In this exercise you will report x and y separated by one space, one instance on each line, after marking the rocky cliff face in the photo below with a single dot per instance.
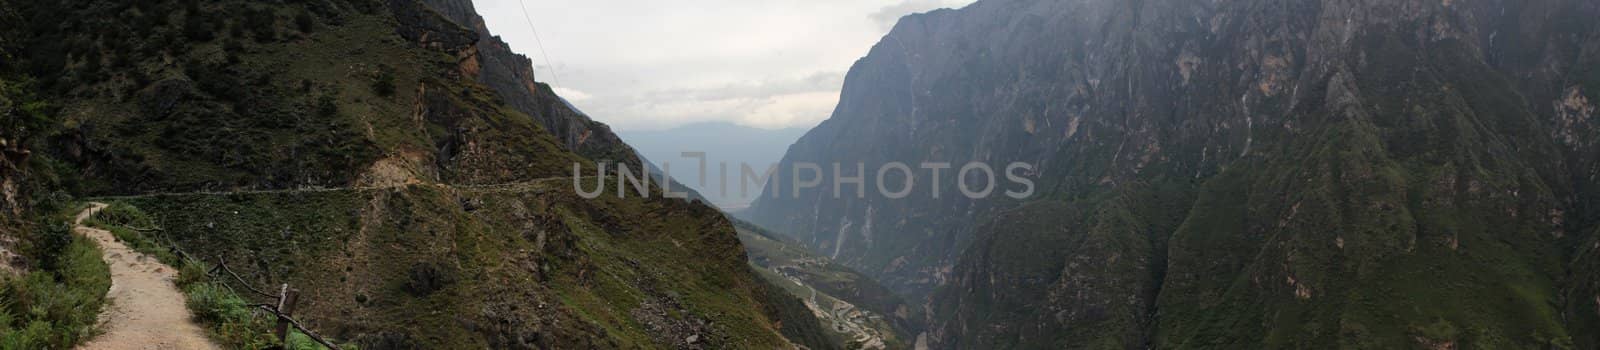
10 114
14 151
13 156
511 76
12 159
1229 174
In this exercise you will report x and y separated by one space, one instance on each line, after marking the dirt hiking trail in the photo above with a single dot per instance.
144 309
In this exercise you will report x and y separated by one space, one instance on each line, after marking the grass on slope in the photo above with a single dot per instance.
463 268
281 105
198 99
56 305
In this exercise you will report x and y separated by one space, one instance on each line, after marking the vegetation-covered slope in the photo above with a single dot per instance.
259 96
420 202
526 266
52 284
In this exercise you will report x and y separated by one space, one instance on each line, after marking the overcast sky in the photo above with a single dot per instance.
651 64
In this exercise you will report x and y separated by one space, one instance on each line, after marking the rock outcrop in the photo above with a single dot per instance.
511 76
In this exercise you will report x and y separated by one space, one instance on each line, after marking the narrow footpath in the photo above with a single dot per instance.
144 309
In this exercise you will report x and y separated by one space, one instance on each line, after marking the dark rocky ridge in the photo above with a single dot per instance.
511 76
1280 174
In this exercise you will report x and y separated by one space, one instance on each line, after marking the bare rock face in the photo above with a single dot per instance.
1226 174
12 158
511 76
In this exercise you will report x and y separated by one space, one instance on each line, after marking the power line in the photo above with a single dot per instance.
556 78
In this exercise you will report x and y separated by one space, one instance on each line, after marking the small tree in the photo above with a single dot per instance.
197 27
263 24
327 106
384 85
305 22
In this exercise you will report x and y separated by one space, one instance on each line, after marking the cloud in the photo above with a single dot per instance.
792 109
772 103
814 82
887 16
647 64
572 95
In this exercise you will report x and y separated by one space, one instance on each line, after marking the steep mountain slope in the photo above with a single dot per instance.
526 266
14 152
21 120
1279 174
407 174
511 76
257 96
52 283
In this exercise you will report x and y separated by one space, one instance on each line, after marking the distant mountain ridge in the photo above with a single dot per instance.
721 142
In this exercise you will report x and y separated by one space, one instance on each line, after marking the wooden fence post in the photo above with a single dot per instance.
286 300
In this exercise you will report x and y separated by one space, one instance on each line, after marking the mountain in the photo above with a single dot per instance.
391 160
511 76
1234 174
722 143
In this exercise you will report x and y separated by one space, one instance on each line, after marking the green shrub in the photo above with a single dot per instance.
263 24
384 85
215 304
304 22
35 336
122 214
299 341
55 309
192 271
130 225
327 106
198 27
232 322
47 244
